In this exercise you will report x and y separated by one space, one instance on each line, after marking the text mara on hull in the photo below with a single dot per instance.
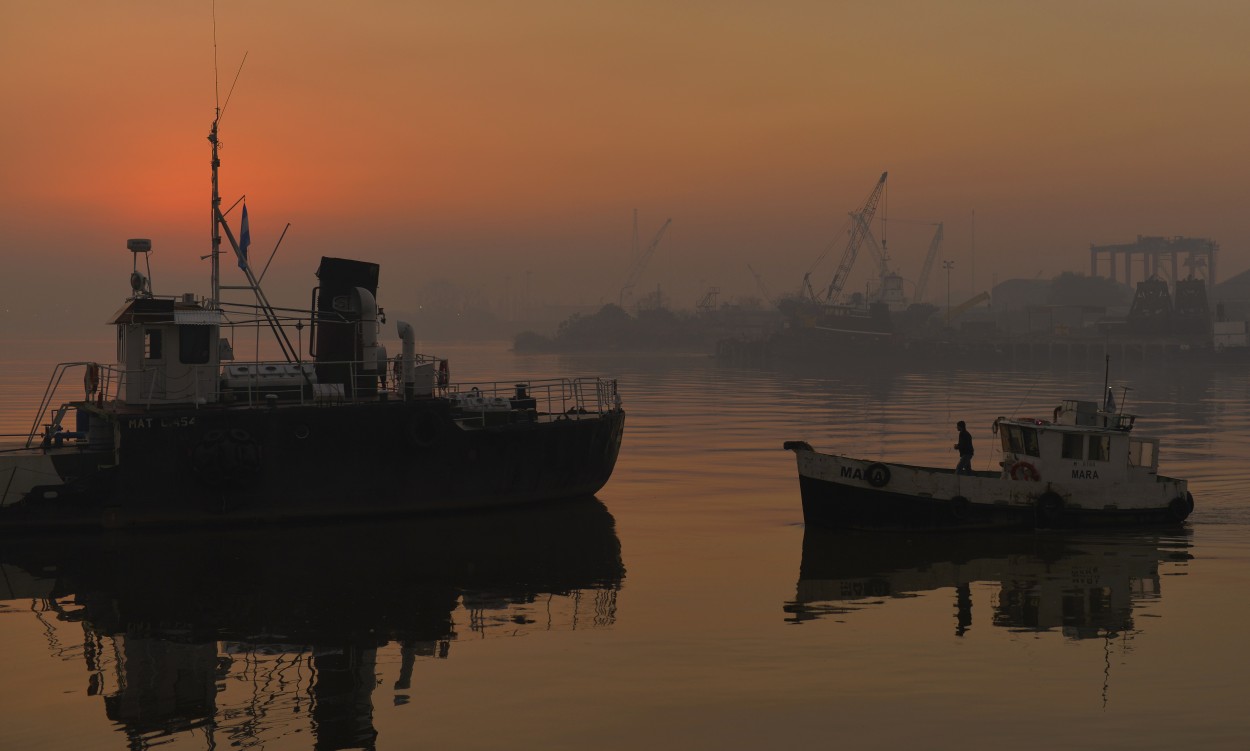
178 431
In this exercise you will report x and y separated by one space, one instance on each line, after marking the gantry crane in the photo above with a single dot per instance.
859 228
641 263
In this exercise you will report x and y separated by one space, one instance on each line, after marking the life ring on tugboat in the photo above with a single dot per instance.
91 378
877 475
444 374
1022 470
1049 509
1181 507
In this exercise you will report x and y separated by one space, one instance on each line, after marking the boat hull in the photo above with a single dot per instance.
845 493
188 466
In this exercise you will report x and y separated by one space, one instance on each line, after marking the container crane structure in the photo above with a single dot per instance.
859 230
934 245
763 288
641 263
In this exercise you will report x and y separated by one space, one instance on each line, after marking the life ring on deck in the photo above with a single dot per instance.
877 475
1024 471
444 374
1181 507
1049 509
91 378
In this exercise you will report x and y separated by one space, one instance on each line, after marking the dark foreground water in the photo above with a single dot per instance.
686 608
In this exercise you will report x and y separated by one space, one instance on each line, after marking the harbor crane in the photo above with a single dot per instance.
934 244
859 229
641 263
763 288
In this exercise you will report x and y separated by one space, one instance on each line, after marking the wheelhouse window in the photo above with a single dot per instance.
1099 448
1030 442
1013 440
151 344
1142 453
1073 446
193 343
1020 440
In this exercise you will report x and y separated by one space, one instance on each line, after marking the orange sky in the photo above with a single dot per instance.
474 141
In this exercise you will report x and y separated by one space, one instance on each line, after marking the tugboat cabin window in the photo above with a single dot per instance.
193 344
1073 446
1142 453
151 344
1030 442
1099 448
1020 440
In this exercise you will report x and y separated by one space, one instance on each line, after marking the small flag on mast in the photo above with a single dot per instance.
245 239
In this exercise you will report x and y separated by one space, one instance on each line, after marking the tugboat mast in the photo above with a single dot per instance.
215 294
253 284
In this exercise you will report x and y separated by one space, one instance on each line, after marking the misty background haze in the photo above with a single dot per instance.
490 156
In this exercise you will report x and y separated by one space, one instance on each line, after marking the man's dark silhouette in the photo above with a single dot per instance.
964 447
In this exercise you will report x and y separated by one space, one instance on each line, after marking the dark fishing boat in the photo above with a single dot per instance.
177 431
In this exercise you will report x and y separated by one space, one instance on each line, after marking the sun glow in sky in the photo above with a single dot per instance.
478 141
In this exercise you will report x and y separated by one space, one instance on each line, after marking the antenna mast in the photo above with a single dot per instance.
215 294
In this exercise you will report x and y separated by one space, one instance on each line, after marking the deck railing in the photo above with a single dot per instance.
252 384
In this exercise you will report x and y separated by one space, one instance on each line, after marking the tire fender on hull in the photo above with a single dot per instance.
226 458
1048 510
1181 507
877 475
424 428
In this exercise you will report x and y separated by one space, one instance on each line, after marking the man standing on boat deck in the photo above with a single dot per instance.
964 447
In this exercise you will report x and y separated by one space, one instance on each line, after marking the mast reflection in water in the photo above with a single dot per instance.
245 636
1084 586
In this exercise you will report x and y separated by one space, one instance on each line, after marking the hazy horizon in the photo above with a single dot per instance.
504 150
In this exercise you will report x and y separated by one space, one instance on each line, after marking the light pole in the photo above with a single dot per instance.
948 265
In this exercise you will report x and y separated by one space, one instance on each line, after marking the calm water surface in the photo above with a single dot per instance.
687 608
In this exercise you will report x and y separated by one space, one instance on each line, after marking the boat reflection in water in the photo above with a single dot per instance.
252 635
1084 586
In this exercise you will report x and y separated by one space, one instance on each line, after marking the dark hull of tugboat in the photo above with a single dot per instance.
833 505
180 467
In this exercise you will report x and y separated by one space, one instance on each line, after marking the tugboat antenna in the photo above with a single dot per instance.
1106 381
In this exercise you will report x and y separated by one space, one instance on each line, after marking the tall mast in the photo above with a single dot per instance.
215 295
253 284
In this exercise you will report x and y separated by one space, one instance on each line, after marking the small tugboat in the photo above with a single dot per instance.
1082 468
178 432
